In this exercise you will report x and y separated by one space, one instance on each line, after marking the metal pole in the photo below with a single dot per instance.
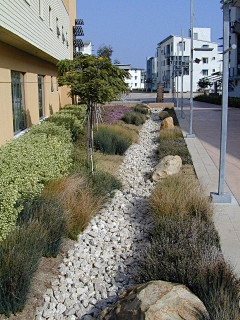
182 115
222 197
177 73
191 135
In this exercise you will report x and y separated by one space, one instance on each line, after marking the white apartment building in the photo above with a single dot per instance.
137 80
234 55
151 73
172 55
87 48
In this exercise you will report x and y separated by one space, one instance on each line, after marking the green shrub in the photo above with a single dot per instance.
172 113
133 117
233 102
72 118
51 130
111 140
27 163
104 183
142 108
163 115
174 147
20 254
49 214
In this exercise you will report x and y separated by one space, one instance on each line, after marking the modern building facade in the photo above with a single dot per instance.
137 79
234 55
173 56
34 36
151 73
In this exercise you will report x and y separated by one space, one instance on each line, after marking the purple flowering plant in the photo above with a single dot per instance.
111 114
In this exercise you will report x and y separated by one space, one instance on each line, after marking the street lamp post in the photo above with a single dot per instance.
191 135
221 196
182 70
177 64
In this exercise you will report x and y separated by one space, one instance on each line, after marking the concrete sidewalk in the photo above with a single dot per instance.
226 216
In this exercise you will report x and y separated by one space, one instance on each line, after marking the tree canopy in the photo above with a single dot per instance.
94 79
105 51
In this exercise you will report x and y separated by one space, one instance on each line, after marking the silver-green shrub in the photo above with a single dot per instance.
27 163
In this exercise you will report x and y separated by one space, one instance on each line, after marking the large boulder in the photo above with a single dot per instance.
157 300
168 166
167 123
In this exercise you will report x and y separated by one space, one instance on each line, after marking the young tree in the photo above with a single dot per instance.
203 83
95 81
105 51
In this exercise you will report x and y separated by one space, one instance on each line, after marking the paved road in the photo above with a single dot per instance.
207 127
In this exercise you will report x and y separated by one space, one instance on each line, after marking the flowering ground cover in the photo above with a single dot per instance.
111 114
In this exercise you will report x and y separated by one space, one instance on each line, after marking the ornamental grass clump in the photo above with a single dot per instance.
20 254
49 214
180 195
175 147
104 184
184 247
133 117
141 108
170 134
78 201
112 139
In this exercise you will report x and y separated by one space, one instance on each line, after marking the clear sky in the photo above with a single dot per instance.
134 27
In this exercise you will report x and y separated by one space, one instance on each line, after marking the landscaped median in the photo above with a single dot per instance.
184 244
47 194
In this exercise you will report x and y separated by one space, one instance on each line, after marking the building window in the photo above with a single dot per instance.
63 37
41 96
135 77
213 58
195 36
18 104
206 46
205 60
41 9
135 85
52 87
50 17
213 70
205 72
57 28
181 46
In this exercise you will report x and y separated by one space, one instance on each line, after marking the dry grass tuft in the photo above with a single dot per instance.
174 133
180 195
78 201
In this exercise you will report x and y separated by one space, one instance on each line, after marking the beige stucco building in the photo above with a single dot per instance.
34 36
